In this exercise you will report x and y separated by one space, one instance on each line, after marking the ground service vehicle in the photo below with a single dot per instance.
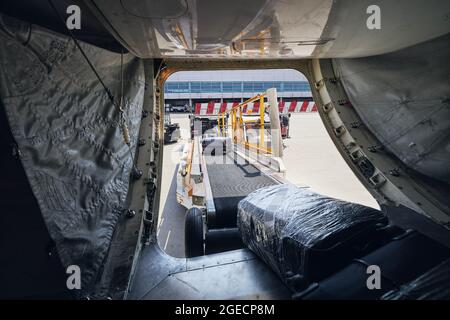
171 130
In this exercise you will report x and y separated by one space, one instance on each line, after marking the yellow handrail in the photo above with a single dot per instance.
237 125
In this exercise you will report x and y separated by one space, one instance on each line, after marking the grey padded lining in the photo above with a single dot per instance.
72 150
404 99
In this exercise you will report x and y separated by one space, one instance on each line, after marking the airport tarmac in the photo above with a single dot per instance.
310 158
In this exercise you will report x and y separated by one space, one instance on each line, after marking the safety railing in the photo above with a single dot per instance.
234 119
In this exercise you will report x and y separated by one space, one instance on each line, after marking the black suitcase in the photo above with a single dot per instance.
304 236
400 261
432 285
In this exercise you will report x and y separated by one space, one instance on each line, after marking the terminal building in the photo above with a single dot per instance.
215 88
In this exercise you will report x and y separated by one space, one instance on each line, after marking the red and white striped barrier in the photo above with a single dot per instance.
212 108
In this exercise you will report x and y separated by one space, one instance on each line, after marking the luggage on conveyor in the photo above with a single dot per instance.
432 285
304 236
400 261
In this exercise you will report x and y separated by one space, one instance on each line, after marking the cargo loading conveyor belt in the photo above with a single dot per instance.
231 179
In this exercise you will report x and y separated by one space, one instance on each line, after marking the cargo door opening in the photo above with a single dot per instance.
310 158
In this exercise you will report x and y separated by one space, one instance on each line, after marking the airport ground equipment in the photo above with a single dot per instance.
171 130
237 154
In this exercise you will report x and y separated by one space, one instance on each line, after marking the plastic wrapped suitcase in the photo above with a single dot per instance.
432 285
304 236
402 260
